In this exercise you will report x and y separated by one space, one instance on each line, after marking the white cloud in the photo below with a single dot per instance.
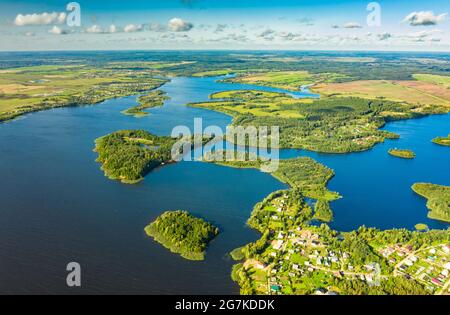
268 34
94 29
424 34
384 36
220 28
352 25
131 28
179 25
40 19
424 18
55 30
157 27
112 29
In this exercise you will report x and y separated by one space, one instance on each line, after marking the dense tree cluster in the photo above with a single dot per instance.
330 125
183 233
322 211
129 155
438 200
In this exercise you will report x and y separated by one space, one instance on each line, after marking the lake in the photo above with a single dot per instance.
57 206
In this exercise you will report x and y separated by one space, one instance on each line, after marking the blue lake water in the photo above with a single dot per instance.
57 206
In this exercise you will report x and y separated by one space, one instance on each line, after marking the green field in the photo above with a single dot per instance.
288 80
435 79
409 92
30 89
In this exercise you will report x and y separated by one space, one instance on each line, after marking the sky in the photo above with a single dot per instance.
386 25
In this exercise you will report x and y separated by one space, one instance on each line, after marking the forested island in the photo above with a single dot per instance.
151 100
182 233
445 141
404 154
438 200
129 155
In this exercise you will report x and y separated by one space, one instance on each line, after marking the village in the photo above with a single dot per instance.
299 260
429 266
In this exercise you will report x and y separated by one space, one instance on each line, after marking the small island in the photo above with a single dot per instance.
129 155
151 100
442 141
404 154
183 234
438 200
421 227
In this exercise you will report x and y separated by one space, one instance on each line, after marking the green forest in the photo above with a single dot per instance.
129 155
328 125
323 212
183 234
438 200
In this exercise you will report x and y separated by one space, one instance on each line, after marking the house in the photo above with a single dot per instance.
409 263
446 249
436 281
278 244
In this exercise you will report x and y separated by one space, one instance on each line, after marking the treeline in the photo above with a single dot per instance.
307 175
328 125
129 155
438 200
323 212
183 233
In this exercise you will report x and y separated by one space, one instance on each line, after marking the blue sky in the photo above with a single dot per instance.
213 24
